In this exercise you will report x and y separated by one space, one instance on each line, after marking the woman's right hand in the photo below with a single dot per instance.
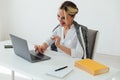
39 49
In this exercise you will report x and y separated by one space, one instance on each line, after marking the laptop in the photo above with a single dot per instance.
21 49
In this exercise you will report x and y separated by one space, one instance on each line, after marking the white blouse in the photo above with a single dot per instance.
71 41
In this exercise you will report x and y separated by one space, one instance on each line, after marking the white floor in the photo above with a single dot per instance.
5 74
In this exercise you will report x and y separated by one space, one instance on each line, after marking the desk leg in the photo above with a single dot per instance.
12 75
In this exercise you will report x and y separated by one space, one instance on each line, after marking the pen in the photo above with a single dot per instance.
61 68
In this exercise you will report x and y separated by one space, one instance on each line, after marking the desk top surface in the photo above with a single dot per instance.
38 70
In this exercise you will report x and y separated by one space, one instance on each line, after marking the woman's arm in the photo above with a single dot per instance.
62 47
65 49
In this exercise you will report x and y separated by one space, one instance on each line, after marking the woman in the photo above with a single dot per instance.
64 35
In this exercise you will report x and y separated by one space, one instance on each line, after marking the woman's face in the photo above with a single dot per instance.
61 17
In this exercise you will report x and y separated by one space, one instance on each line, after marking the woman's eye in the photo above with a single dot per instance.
58 16
63 18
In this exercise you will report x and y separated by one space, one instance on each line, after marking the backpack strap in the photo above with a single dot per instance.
55 27
78 36
85 36
84 30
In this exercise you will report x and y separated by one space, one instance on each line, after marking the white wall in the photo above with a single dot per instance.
31 19
0 19
103 15
4 19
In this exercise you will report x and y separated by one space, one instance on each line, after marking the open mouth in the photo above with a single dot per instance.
62 23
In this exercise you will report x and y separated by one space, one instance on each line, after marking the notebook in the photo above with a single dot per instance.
59 74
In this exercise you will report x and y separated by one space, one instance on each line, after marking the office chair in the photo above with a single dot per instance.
92 35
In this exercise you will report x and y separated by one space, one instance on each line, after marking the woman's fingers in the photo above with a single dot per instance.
57 40
36 47
55 37
40 49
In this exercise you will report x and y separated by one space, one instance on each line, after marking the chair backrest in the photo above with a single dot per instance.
92 35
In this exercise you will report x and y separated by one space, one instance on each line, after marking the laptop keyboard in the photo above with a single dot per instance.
39 55
34 57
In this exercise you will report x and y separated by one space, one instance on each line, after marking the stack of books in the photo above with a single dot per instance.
91 66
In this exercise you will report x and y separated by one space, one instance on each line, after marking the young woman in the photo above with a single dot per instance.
64 35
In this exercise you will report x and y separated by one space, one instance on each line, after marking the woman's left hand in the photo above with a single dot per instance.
57 39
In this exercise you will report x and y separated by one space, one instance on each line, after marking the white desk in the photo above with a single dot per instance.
37 70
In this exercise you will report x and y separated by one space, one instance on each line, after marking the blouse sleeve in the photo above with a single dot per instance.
49 41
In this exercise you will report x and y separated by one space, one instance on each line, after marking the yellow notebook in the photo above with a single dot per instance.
91 66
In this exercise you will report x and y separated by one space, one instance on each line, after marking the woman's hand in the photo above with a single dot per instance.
57 40
41 48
